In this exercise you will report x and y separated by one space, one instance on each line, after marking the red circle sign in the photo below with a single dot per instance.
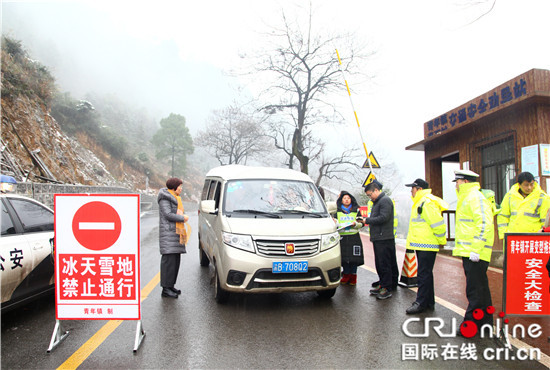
96 225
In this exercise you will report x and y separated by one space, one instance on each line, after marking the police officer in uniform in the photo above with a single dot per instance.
474 238
427 232
524 207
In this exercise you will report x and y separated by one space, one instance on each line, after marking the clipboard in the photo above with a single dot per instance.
342 227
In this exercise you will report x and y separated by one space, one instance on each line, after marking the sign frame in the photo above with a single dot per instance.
123 257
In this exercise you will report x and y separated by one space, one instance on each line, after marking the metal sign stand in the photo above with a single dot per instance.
140 334
57 337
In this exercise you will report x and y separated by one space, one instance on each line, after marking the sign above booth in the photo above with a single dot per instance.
513 91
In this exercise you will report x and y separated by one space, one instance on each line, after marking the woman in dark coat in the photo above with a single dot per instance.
350 243
172 235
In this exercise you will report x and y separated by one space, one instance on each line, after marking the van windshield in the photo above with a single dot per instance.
273 197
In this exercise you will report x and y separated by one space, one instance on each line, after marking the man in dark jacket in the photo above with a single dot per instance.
383 240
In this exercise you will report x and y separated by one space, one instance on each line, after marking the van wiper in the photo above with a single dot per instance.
300 212
256 212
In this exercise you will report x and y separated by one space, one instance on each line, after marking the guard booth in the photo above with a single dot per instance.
498 135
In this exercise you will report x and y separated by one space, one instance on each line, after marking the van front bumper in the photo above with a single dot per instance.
247 272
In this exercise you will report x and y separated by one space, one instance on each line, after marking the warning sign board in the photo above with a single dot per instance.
97 256
373 162
526 280
370 178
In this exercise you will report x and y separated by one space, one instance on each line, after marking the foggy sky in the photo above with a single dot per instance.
169 56
85 53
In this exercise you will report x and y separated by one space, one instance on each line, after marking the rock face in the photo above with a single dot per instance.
35 149
28 128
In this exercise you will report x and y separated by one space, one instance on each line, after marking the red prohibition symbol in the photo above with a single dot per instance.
96 226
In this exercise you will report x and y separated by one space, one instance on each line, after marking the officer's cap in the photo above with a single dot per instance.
466 175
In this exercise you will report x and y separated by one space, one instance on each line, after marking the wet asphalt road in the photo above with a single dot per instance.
351 330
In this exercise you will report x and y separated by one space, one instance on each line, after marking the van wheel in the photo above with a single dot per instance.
221 296
326 294
203 257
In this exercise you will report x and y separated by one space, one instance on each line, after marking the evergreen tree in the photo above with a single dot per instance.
173 141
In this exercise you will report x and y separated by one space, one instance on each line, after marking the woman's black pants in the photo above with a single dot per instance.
169 267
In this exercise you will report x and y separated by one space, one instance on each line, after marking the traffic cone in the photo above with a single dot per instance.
409 271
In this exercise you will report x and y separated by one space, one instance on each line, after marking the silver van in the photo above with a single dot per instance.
267 230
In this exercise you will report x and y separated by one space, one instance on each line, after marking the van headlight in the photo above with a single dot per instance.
243 242
329 240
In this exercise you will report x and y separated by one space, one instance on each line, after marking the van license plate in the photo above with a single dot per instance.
298 266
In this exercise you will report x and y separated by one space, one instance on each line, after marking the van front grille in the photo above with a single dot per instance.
277 248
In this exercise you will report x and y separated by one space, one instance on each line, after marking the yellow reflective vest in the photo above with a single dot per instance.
522 215
348 218
474 231
427 229
490 195
395 219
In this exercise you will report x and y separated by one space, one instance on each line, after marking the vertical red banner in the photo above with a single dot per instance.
526 281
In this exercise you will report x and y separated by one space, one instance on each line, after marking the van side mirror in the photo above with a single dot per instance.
209 206
331 207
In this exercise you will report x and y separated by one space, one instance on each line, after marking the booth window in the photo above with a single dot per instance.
498 167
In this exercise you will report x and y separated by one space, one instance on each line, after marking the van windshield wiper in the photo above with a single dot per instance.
300 212
256 212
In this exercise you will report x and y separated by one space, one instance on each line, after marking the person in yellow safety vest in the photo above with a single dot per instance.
351 247
427 232
395 223
474 238
524 207
490 195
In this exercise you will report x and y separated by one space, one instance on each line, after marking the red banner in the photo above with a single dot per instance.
526 281
93 276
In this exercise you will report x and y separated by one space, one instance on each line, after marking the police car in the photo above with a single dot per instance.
26 250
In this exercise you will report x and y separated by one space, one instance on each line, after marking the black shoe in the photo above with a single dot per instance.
383 294
431 307
375 284
375 290
177 291
167 292
415 308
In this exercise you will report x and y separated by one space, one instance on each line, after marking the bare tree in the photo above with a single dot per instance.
282 135
344 167
232 135
303 70
477 4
